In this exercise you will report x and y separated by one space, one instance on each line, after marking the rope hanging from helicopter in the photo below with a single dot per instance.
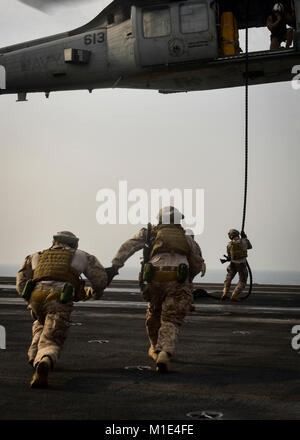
246 142
246 149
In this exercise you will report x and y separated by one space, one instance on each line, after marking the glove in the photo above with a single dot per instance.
111 272
91 293
203 269
243 235
225 260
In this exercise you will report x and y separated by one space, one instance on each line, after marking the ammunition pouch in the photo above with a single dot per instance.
67 294
148 272
182 273
28 289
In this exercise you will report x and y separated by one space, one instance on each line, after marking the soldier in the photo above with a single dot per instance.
50 281
236 254
277 25
174 260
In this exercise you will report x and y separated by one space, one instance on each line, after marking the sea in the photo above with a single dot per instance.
212 275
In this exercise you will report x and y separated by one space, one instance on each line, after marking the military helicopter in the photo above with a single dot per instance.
166 45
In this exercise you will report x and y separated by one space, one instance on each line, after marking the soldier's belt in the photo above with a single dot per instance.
43 296
166 268
164 276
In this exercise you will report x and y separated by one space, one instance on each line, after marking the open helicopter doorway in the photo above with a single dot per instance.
262 15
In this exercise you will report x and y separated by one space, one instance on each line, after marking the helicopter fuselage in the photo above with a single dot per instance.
171 47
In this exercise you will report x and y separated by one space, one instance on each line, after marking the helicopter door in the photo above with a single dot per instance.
175 32
2 78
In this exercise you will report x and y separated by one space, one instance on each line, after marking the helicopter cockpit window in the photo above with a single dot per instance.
193 18
157 22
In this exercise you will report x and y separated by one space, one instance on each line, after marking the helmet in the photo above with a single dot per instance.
169 214
278 7
233 233
66 237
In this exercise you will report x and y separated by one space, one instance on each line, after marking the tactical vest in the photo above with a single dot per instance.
55 265
169 238
237 251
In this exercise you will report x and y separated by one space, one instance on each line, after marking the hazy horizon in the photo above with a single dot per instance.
58 153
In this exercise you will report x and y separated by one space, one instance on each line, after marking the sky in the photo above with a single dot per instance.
56 155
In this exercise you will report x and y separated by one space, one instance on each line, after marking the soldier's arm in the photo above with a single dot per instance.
228 251
96 274
196 260
128 248
199 250
272 25
24 274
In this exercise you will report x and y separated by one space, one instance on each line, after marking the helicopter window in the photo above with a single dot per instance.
157 22
193 18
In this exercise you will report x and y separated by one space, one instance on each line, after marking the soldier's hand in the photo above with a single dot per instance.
111 272
243 235
227 258
203 269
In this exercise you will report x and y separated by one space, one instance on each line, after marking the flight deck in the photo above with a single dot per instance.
234 361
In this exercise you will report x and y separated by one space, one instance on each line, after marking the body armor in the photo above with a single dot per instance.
169 238
237 250
55 265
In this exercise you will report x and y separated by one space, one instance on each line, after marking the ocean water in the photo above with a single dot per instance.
212 275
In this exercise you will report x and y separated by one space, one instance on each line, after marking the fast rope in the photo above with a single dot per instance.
243 298
246 142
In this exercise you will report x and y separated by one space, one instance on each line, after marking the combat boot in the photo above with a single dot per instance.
163 362
234 297
152 353
40 377
225 292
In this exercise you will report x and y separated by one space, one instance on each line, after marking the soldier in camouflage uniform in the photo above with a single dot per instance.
236 254
168 299
49 274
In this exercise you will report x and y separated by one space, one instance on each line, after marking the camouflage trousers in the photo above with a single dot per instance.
168 304
232 270
50 326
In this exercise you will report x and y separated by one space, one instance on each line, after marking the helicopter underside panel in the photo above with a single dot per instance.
264 67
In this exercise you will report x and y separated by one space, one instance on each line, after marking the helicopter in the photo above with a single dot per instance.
170 46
